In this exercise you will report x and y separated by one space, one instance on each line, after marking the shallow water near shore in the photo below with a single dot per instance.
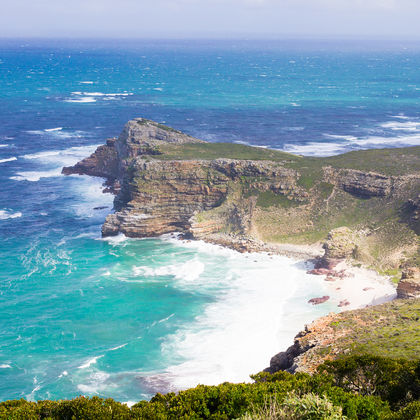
126 318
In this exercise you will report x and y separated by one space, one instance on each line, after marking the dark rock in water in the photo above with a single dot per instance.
367 288
344 302
100 208
318 300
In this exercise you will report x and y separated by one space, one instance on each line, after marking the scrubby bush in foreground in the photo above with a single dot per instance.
354 388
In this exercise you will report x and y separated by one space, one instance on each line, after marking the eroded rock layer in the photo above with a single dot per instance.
244 197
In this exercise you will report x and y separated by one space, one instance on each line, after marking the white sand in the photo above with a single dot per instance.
361 287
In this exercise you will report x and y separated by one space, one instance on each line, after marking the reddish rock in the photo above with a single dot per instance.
344 302
318 300
367 288
319 271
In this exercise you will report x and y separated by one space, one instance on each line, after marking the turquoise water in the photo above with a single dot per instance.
127 318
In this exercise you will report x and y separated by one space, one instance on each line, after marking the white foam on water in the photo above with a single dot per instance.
402 126
258 303
5 366
53 161
87 82
243 328
346 143
186 272
9 214
90 362
85 99
115 240
58 132
96 382
11 159
53 129
401 117
34 176
118 347
316 148
4 145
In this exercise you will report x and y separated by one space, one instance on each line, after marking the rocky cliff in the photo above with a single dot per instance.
388 330
246 197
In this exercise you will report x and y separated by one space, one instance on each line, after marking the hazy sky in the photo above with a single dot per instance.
210 18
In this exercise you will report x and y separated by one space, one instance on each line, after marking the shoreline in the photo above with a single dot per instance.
357 286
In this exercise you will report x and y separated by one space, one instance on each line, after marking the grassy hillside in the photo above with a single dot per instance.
388 330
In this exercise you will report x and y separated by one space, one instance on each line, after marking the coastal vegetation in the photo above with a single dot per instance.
367 387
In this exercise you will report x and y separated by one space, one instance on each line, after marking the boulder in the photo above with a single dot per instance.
409 285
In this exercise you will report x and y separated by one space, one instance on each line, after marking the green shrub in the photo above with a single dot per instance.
396 381
307 407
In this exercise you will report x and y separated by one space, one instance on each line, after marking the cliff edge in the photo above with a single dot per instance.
252 199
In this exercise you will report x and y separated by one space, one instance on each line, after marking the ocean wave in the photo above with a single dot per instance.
240 331
118 347
402 126
62 156
115 240
316 149
86 97
187 272
82 100
4 145
34 176
9 214
96 382
5 366
11 159
90 362
348 143
58 132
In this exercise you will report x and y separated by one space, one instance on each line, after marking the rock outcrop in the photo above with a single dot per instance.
359 183
340 245
409 285
388 330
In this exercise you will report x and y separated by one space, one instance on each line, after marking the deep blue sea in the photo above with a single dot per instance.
127 318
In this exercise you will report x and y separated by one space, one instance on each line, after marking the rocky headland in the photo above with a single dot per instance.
361 208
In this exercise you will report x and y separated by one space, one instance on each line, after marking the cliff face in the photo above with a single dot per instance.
167 181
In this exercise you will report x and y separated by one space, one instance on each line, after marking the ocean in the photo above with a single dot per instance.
126 318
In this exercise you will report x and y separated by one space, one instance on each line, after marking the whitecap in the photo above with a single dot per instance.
402 126
5 366
85 99
9 214
118 347
95 383
34 176
54 129
316 149
87 82
60 158
186 272
401 117
11 159
4 145
115 240
90 362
